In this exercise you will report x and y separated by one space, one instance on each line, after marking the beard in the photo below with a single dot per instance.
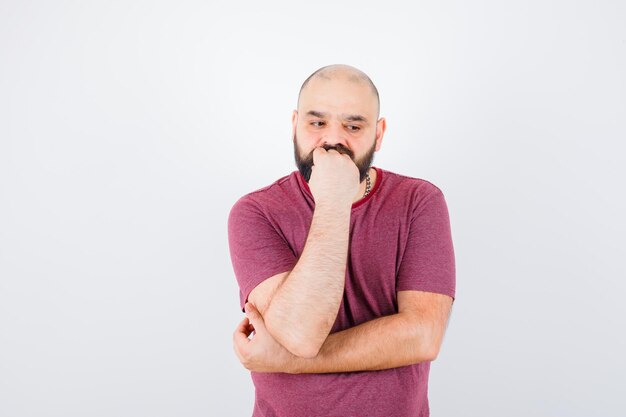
305 165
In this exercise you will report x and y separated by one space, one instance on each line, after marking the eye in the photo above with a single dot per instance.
317 123
354 128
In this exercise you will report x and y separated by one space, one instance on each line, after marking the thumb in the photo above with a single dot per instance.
253 314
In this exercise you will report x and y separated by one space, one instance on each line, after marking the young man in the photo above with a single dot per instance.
346 271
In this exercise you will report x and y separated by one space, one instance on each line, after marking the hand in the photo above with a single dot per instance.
334 177
262 353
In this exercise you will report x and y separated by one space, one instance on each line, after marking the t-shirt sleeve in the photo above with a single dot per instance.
257 249
428 262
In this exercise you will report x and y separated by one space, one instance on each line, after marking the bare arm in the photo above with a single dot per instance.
413 335
301 307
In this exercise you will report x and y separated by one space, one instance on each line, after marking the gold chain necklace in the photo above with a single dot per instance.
368 184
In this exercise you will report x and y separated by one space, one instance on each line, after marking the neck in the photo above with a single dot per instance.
363 184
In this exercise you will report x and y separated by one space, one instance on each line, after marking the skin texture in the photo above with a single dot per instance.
303 309
290 315
413 335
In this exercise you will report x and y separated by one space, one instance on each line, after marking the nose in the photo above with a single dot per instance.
333 135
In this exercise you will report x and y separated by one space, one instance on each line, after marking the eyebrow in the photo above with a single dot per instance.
349 117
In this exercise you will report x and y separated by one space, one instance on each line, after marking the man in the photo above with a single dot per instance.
346 271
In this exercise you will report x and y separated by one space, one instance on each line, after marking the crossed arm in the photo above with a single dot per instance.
412 335
291 315
300 307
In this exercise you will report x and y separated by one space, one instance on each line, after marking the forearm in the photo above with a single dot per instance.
304 308
382 343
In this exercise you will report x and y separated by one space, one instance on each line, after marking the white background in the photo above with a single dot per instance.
129 128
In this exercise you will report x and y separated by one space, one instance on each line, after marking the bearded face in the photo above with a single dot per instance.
305 164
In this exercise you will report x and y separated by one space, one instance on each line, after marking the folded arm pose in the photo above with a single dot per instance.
293 312
412 335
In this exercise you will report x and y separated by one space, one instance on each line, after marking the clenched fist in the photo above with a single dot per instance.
334 177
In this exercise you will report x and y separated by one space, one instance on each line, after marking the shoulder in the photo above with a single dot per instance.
268 197
413 189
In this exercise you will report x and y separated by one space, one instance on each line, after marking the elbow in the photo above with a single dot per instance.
425 339
426 347
304 347
432 353
424 353
304 350
432 349
298 344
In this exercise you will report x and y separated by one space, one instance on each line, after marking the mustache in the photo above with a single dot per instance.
339 148
305 162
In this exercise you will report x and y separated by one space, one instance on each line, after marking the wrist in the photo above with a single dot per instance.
333 207
330 223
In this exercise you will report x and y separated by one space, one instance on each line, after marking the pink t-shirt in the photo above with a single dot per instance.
399 240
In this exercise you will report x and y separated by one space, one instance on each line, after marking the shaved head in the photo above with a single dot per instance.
344 72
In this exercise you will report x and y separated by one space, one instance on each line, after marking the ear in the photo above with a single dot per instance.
294 123
381 126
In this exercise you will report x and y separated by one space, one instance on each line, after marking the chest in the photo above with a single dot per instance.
377 243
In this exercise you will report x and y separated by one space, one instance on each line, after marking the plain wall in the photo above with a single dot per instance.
129 128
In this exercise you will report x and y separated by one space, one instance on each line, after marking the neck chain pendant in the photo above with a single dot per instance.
368 184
